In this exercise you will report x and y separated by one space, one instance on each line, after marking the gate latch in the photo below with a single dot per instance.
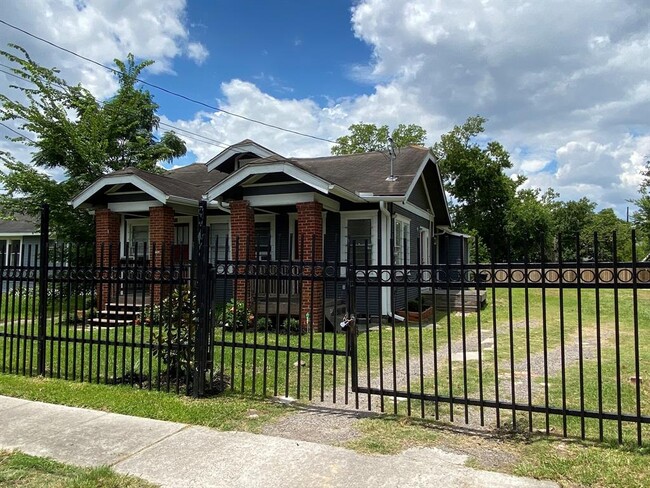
347 321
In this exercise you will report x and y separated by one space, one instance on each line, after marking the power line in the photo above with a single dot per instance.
17 133
206 140
166 90
203 139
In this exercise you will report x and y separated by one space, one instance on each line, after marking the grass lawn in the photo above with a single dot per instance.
572 463
225 412
20 470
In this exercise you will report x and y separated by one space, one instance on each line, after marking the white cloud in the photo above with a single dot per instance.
564 83
197 52
150 29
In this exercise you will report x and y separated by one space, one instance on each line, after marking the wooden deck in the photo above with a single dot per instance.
283 307
457 300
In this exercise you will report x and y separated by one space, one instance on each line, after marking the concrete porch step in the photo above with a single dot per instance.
110 322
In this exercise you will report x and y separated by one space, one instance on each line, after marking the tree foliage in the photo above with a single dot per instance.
368 137
474 175
75 139
510 222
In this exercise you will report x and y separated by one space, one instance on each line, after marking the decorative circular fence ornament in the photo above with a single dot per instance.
517 276
605 276
534 276
426 276
551 276
643 275
587 276
441 276
500 276
625 275
569 276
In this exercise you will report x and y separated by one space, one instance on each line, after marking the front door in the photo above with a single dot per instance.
181 242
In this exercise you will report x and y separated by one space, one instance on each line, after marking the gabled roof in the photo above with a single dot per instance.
187 183
20 225
367 172
355 177
241 148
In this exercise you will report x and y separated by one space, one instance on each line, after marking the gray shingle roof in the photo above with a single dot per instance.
367 172
190 181
23 224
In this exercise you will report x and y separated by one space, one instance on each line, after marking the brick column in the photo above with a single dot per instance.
161 238
107 252
310 242
242 225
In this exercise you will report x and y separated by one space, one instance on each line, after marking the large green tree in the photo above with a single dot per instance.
474 175
74 139
368 137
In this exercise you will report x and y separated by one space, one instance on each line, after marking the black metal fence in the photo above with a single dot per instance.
558 347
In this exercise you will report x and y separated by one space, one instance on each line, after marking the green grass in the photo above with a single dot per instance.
569 463
265 367
224 412
20 470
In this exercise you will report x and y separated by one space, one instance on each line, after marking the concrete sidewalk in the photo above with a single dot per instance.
172 454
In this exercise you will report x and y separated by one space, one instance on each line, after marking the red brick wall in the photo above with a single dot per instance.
242 234
107 248
310 239
161 239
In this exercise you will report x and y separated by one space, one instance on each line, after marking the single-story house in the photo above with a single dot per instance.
19 238
273 206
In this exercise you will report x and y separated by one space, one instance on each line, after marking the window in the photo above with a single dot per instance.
218 241
262 240
10 252
402 241
265 236
425 246
181 242
139 240
359 231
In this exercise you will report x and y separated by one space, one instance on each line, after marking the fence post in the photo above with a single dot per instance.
203 303
351 331
42 287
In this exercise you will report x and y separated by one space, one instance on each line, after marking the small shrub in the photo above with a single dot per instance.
291 326
174 335
236 315
264 323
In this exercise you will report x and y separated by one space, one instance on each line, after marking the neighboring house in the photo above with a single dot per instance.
19 238
273 206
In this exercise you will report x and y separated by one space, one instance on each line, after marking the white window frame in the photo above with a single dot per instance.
398 250
8 240
359 215
130 223
425 245
220 219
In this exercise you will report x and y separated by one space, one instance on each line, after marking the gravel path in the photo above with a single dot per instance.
334 423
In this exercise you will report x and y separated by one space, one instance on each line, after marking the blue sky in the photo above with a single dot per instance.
287 48
564 84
